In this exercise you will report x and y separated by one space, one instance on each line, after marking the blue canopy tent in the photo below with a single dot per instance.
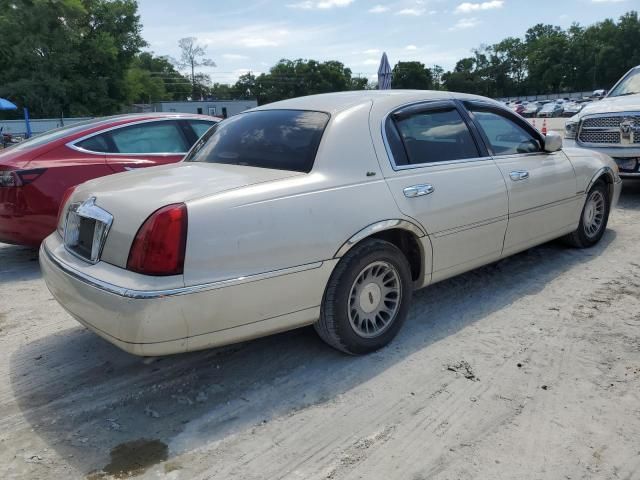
7 105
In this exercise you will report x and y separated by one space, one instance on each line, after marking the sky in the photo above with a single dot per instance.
252 35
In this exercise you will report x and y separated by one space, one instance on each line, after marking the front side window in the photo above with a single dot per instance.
152 137
428 136
276 139
505 136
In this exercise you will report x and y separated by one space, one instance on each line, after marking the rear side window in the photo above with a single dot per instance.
149 137
97 143
275 139
428 136
152 137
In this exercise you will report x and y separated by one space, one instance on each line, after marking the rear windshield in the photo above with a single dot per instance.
275 139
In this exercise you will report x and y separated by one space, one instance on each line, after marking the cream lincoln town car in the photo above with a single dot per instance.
326 210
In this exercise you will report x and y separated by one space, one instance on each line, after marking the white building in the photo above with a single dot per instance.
216 108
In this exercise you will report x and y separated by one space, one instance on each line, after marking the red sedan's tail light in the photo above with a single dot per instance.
65 197
159 245
18 178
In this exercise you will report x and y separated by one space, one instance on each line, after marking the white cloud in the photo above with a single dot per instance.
371 51
415 12
379 9
410 47
265 35
371 61
320 4
465 23
234 56
468 7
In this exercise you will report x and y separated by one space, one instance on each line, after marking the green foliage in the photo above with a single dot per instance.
295 78
550 59
151 79
413 75
68 57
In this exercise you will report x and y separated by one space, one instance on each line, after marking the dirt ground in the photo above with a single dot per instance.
528 368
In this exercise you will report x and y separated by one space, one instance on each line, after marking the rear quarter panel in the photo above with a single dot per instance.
295 221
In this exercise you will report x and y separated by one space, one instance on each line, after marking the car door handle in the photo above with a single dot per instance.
418 190
519 175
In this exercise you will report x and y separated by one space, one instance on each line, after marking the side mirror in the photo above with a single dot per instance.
552 142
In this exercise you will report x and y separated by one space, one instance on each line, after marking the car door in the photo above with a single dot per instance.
542 186
442 177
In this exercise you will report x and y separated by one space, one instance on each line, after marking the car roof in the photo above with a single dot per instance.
336 102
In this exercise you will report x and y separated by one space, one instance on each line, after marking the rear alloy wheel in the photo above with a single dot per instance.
367 298
594 218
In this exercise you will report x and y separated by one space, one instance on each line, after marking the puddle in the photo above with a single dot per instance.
133 458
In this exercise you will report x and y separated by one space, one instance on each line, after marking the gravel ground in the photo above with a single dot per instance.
527 368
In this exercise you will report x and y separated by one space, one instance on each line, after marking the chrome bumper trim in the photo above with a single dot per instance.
150 294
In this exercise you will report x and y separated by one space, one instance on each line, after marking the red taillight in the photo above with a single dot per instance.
159 245
19 178
65 197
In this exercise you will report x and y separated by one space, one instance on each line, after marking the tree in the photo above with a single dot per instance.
68 57
176 85
413 75
436 72
193 56
295 78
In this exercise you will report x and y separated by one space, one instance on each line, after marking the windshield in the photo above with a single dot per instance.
276 139
628 85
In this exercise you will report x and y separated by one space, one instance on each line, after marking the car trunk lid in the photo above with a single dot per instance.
131 197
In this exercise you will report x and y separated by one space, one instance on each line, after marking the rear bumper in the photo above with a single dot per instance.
22 221
159 322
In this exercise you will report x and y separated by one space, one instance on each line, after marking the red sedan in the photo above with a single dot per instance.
35 174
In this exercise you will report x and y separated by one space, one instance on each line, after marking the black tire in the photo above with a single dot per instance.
334 325
581 238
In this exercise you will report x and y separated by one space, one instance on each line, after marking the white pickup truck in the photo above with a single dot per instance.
612 125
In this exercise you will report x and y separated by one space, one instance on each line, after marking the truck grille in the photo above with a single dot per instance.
599 136
608 130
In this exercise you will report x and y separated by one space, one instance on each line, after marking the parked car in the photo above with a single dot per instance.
551 109
572 107
599 94
612 125
519 108
531 109
327 210
35 173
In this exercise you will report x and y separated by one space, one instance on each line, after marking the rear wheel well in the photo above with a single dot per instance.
409 245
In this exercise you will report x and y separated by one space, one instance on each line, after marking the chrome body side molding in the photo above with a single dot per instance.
150 294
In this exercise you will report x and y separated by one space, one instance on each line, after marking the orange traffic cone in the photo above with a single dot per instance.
544 126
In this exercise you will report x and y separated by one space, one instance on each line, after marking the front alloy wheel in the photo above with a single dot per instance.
593 219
